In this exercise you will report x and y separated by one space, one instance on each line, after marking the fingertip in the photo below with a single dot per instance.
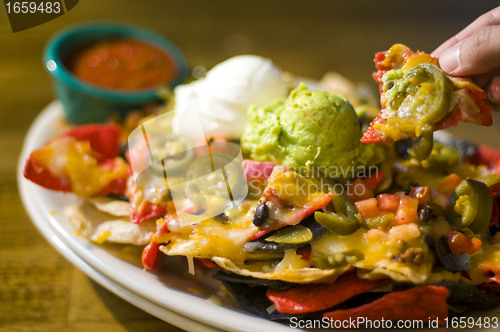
494 91
449 60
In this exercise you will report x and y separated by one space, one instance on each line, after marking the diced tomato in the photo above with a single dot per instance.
151 256
426 303
449 184
309 298
388 202
474 246
368 208
407 210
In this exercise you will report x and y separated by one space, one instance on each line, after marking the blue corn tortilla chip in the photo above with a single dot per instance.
253 299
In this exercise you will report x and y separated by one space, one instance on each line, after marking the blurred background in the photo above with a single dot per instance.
39 289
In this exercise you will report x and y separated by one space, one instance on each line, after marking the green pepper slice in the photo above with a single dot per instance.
291 235
424 144
415 99
342 204
472 206
346 218
337 223
429 91
378 222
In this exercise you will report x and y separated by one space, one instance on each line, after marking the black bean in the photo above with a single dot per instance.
425 214
261 215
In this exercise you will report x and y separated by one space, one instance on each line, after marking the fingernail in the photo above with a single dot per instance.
449 60
494 91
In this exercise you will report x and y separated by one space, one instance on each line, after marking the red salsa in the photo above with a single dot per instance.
124 63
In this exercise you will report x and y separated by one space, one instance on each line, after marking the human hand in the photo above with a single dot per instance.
475 52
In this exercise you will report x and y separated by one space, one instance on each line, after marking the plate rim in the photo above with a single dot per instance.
62 241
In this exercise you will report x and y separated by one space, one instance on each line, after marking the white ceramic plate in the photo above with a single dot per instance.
166 294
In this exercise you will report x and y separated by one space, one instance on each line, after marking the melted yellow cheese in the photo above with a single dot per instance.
68 158
488 258
380 250
210 237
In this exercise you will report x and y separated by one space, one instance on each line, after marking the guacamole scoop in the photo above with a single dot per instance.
311 131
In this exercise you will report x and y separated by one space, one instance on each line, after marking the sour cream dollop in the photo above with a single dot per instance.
220 100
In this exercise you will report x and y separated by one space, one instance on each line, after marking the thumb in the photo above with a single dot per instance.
477 54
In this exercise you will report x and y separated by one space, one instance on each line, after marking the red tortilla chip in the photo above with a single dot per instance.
309 298
104 139
151 256
426 303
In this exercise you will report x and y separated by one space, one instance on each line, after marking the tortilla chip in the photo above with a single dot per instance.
254 300
111 206
426 303
309 298
99 227
302 276
239 279
397 271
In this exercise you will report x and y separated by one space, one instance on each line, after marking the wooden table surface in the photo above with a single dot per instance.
39 289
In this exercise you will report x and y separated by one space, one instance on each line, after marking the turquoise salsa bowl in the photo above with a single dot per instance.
87 103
